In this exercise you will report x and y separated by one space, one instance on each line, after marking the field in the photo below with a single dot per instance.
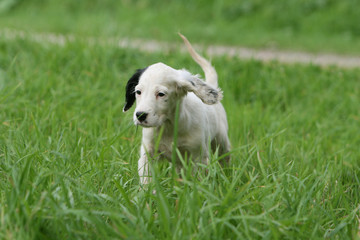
68 154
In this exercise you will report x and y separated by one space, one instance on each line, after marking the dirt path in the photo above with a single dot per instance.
212 51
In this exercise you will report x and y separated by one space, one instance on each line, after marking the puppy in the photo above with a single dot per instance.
157 89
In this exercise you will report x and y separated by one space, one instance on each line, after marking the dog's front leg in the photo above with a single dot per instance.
147 149
143 167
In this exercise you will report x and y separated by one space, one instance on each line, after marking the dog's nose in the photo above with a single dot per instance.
141 116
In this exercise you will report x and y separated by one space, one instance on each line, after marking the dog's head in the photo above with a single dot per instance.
156 90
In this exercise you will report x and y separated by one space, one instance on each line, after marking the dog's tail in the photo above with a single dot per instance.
210 72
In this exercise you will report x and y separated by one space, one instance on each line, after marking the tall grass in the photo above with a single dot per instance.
68 155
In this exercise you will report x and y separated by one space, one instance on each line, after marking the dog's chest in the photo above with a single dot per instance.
184 144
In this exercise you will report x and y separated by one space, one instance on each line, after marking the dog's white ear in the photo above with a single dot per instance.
130 89
192 83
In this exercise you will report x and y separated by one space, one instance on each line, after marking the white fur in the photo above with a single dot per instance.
202 118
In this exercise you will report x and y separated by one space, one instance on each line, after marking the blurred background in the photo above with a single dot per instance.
306 25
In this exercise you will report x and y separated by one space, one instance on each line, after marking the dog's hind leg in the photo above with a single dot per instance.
222 142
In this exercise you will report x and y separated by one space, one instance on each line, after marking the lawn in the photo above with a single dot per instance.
311 25
68 154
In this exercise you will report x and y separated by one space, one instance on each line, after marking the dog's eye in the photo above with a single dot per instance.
161 94
138 92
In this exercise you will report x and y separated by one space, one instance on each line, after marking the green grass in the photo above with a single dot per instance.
68 154
312 25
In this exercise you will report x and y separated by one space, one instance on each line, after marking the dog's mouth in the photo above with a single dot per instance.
143 124
146 124
152 121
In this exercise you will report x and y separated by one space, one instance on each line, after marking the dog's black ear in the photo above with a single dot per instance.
130 89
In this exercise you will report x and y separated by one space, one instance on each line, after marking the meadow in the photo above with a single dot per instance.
68 154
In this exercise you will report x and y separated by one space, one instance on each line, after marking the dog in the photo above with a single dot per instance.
157 89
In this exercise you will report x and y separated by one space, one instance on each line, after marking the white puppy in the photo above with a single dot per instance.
202 118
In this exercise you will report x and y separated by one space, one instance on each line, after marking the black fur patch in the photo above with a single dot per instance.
130 88
213 92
